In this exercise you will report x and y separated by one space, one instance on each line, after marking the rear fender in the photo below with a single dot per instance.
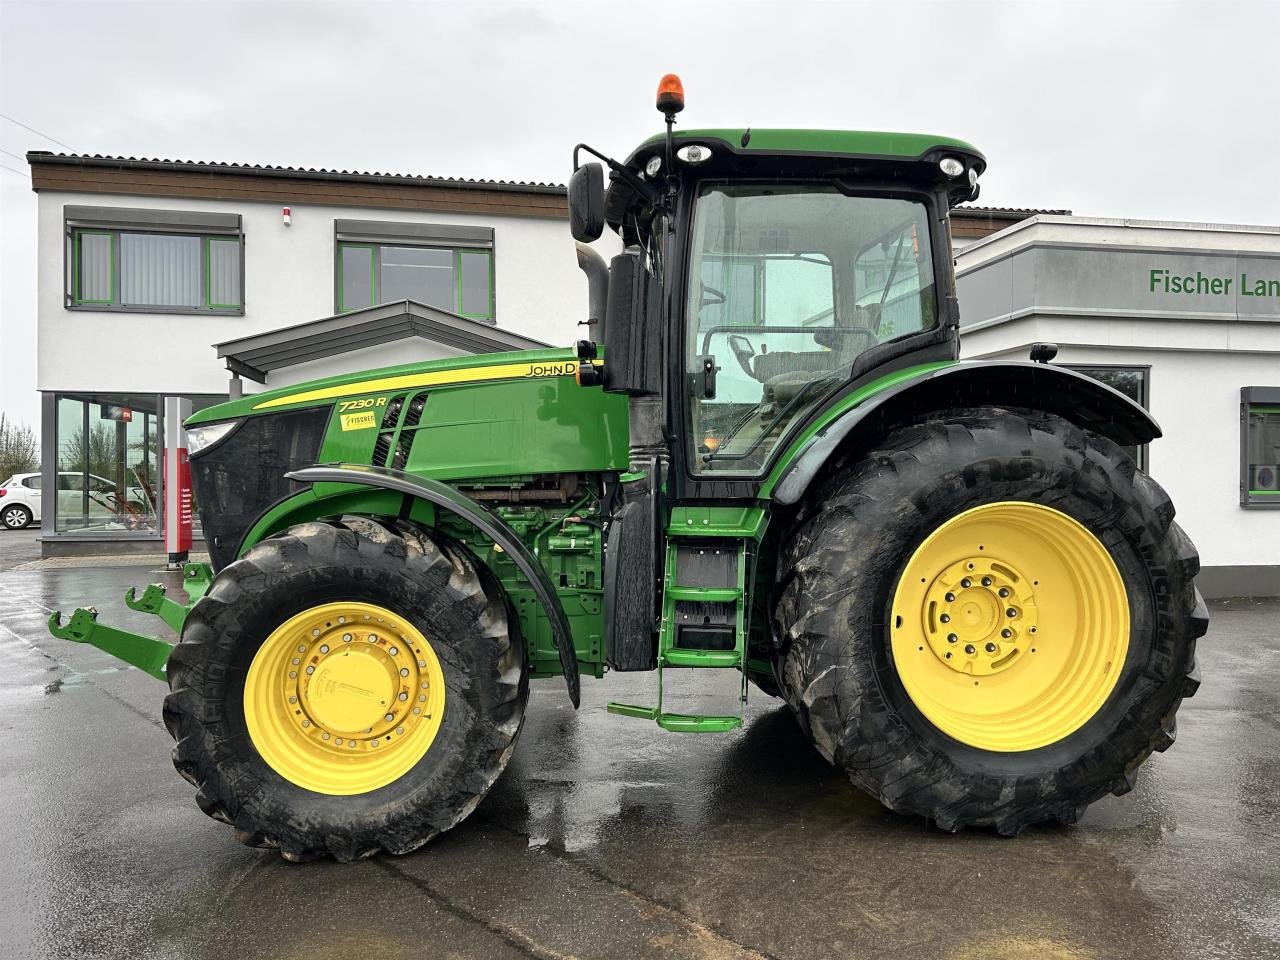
443 497
1037 386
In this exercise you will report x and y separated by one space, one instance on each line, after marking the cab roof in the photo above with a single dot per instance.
835 143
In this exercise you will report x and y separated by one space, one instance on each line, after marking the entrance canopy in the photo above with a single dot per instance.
256 356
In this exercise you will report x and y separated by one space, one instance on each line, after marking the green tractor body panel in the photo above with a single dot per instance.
493 415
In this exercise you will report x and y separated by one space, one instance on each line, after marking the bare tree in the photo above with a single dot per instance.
19 450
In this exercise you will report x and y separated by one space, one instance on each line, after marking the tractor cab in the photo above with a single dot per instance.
766 272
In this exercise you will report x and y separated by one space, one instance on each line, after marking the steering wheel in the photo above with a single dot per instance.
743 352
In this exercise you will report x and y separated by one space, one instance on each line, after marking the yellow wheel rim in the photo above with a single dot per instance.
1010 626
344 698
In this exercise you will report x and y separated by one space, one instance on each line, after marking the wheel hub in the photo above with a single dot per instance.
979 614
344 697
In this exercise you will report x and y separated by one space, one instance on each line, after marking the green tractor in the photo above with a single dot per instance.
767 461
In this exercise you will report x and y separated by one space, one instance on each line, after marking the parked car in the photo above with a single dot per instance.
20 502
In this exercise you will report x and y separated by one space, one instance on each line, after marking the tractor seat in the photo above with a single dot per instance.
782 388
769 366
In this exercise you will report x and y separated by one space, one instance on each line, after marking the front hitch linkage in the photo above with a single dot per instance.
146 653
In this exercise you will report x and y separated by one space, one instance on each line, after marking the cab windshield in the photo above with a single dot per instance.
790 284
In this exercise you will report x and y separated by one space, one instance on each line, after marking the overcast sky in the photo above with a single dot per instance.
1125 110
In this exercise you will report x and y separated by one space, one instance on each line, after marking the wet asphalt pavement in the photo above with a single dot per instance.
609 838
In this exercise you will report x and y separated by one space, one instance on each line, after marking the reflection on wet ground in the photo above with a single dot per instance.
609 838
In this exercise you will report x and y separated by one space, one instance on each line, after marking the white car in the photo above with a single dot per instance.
20 502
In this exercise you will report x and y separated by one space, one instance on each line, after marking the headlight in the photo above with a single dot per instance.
203 437
694 153
951 166
652 167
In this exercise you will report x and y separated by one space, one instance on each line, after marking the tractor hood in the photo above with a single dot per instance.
491 421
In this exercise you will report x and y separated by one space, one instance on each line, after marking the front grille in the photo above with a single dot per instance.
239 478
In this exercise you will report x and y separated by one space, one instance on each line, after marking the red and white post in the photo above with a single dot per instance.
178 500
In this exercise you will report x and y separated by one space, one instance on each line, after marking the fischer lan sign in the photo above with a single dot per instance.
1166 281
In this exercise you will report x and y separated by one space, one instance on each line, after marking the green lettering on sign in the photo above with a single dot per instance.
1160 280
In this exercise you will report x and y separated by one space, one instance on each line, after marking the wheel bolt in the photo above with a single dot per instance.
306 723
1011 612
952 638
404 696
1006 633
986 581
310 670
404 671
991 648
945 618
293 699
324 648
951 597
969 648
389 717
324 736
948 656
302 649
346 638
966 582
1004 591
393 651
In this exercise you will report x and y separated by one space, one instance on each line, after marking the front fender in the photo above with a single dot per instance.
1039 386
485 520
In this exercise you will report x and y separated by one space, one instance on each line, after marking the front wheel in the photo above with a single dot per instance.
344 688
991 620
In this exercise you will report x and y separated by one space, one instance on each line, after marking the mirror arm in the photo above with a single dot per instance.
634 182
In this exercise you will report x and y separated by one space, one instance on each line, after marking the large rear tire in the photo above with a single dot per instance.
990 620
346 688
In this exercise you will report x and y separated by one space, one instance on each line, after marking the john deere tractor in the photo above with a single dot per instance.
767 461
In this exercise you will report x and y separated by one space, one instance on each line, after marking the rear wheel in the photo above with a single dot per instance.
346 688
15 516
989 621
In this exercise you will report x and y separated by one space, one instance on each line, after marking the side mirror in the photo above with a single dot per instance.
586 202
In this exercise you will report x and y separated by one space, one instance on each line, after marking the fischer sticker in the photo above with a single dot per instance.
358 421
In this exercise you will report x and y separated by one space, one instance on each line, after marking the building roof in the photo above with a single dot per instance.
256 356
293 173
1007 213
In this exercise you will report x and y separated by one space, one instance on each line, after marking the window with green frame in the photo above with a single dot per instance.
1260 447
456 279
154 271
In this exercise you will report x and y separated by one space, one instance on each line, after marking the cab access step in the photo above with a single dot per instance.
703 625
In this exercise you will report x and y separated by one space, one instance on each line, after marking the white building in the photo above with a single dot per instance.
1186 319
